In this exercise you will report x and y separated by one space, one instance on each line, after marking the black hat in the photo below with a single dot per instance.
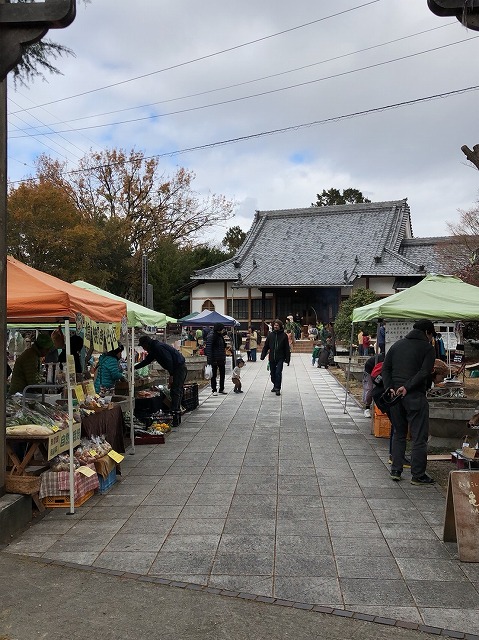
144 341
424 325
219 326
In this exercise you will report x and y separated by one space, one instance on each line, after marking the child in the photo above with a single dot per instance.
236 377
315 353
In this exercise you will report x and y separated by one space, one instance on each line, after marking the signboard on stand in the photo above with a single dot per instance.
461 522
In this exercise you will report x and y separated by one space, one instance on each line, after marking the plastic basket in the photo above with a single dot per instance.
150 439
52 502
190 400
105 484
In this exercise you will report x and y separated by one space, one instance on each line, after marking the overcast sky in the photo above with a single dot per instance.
164 76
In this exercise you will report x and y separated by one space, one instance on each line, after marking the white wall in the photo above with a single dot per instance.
214 291
381 286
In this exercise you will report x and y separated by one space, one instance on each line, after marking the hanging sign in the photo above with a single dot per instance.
79 393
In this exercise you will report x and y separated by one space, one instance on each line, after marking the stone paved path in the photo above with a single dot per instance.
286 497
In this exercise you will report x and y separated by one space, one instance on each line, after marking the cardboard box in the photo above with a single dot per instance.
382 425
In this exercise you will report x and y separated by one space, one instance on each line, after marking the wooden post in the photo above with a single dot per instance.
3 274
20 23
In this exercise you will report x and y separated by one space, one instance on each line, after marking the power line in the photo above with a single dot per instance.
211 55
268 77
255 95
296 127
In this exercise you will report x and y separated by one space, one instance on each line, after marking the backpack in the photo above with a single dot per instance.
376 374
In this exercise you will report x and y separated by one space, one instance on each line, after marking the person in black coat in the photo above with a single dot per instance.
277 346
172 361
216 356
406 375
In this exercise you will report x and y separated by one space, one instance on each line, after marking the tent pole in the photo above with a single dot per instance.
349 366
70 417
131 388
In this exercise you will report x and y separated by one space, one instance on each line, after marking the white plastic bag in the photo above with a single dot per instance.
208 372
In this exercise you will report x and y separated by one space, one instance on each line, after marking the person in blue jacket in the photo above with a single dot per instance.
108 369
172 361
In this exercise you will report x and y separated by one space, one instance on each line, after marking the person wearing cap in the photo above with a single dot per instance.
108 371
26 370
406 375
172 361
216 356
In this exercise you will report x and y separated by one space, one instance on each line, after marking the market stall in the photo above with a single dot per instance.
210 318
38 298
437 297
138 317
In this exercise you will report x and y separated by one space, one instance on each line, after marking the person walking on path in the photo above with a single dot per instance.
216 357
382 337
277 346
406 375
236 377
253 343
172 361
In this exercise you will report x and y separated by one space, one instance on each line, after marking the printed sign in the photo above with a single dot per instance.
60 441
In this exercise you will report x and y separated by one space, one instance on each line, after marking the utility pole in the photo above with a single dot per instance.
20 24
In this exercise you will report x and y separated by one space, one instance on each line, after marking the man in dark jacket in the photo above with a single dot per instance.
277 345
406 374
216 356
172 361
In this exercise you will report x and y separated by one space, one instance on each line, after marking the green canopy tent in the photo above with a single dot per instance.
190 316
437 297
138 317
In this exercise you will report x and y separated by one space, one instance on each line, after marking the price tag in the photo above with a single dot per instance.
80 395
55 428
117 457
86 471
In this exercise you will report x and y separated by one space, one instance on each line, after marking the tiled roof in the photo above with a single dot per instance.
322 246
438 255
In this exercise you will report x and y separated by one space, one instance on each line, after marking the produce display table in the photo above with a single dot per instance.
109 423
38 450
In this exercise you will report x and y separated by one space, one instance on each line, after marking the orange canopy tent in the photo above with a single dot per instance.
34 296
37 297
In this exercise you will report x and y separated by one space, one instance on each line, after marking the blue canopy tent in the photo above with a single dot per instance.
207 318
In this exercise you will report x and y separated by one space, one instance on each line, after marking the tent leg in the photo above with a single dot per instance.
131 387
70 418
349 367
